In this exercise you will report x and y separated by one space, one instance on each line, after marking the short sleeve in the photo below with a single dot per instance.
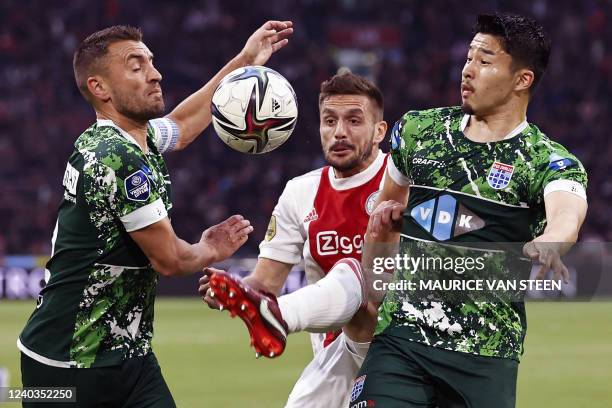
560 170
166 134
134 197
402 148
284 241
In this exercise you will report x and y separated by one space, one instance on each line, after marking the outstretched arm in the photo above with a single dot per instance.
193 115
383 233
380 238
171 256
565 213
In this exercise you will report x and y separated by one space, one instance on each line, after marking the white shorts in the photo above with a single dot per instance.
326 381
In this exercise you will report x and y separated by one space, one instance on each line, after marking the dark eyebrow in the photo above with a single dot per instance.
484 50
350 112
328 111
355 111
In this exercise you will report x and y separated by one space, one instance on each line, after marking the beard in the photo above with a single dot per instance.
129 107
467 108
351 162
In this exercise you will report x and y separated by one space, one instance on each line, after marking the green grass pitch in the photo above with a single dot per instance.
206 359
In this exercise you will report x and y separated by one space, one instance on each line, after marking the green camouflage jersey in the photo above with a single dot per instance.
465 191
97 306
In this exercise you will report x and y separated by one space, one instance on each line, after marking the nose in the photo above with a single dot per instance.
468 70
340 130
155 75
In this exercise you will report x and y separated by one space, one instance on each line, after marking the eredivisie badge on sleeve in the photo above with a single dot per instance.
500 175
396 134
137 186
557 162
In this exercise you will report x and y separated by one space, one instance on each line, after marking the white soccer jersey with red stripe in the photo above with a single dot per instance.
323 219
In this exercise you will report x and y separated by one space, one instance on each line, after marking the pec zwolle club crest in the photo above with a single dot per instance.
500 175
357 387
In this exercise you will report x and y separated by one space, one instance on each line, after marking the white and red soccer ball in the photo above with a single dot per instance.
254 109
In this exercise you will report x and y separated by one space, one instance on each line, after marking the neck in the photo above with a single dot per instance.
357 169
136 129
496 125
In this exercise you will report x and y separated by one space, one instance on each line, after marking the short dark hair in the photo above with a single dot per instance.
347 83
88 56
521 37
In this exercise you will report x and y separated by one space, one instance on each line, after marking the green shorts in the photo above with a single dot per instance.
402 373
137 383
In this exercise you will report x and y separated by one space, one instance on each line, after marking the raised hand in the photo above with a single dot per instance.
385 219
223 239
265 41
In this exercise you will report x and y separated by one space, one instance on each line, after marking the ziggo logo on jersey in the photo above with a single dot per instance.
330 243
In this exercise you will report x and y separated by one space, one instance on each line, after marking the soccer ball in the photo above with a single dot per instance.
254 109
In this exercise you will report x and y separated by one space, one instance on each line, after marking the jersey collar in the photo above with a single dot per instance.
516 131
358 179
110 123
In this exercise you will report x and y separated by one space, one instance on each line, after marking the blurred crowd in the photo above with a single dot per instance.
42 113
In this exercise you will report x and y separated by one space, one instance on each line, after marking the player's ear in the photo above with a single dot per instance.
98 88
524 79
380 131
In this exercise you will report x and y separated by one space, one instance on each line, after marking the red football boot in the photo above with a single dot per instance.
259 311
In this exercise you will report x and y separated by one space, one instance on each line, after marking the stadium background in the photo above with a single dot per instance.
412 49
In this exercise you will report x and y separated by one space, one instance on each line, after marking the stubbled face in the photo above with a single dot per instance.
134 83
487 78
349 132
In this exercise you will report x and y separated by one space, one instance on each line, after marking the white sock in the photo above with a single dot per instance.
328 304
